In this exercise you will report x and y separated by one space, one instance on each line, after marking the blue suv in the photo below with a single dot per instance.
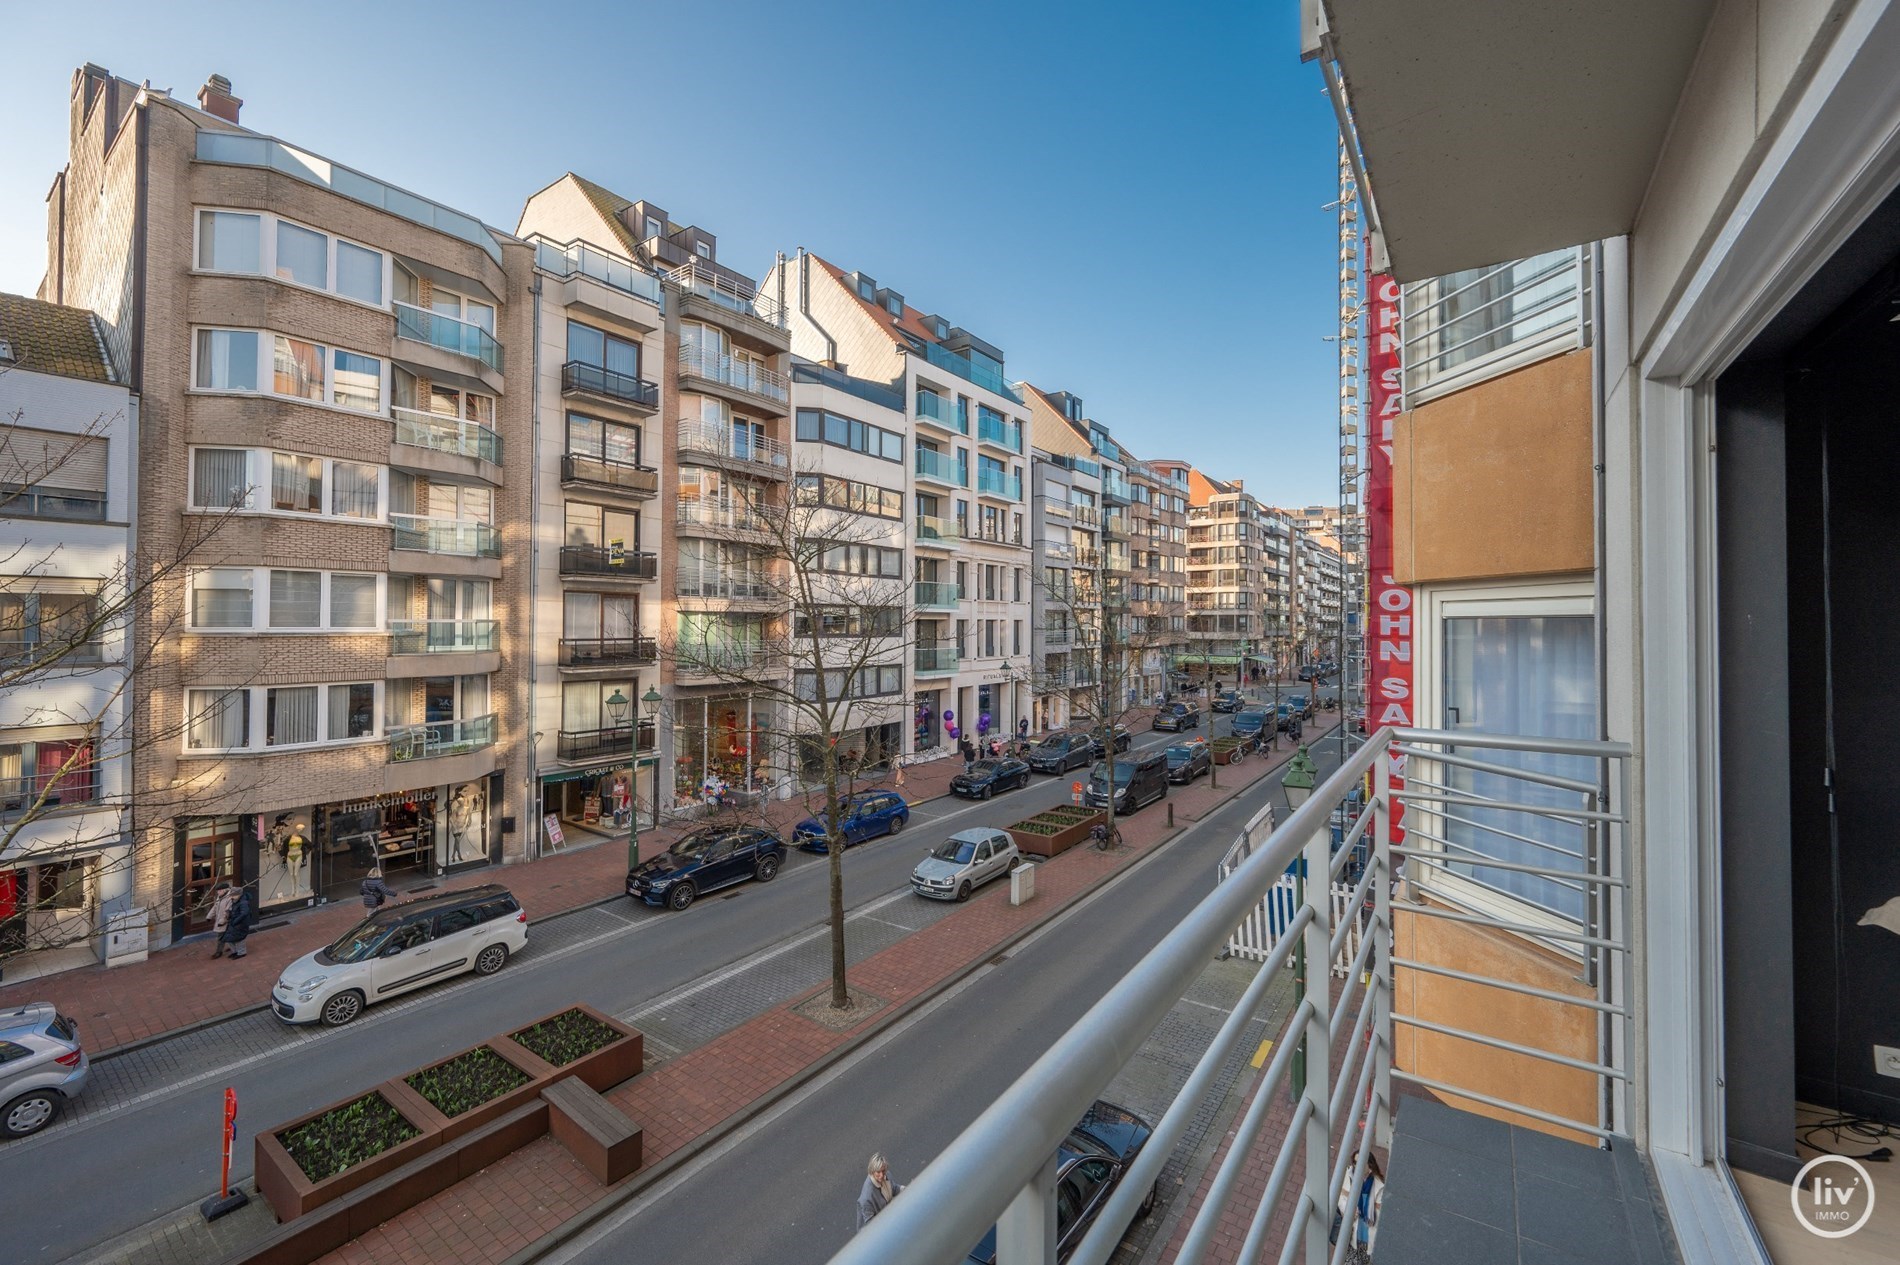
705 860
866 816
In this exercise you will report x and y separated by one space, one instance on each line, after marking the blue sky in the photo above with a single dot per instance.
1125 198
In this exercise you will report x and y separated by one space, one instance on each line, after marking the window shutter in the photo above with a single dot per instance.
30 457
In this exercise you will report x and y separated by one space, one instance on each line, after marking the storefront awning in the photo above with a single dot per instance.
599 770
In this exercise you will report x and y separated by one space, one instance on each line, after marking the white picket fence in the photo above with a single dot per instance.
1260 931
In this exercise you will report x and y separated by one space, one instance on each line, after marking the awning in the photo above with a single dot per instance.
601 770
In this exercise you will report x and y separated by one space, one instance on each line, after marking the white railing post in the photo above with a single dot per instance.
1381 959
1316 1089
1026 1232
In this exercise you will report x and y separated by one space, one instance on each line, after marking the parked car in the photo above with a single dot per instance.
866 816
401 947
986 777
964 862
1188 761
42 1067
1178 716
1120 737
1301 705
1227 701
1251 723
1139 780
1060 752
709 858
1312 672
1090 1164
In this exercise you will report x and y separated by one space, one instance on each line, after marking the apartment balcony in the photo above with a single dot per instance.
1004 434
605 562
440 738
717 661
580 378
1115 486
448 333
934 595
1085 515
725 586
1055 638
718 517
982 375
1058 550
731 444
999 483
1090 558
997 534
606 652
722 295
454 436
935 660
616 742
79 788
937 533
753 381
451 537
606 284
940 467
443 636
941 411
580 470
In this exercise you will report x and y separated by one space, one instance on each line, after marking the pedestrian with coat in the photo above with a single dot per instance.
878 1190
237 924
221 913
375 891
968 751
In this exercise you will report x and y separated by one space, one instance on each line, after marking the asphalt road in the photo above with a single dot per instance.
143 1141
784 1190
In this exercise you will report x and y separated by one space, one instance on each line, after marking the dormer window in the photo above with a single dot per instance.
6 352
867 291
943 328
655 228
894 305
705 251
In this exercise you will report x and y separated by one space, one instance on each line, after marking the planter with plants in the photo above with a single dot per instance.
331 1152
1054 831
580 1042
473 1088
1228 750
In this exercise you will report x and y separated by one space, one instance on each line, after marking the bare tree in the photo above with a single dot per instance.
827 654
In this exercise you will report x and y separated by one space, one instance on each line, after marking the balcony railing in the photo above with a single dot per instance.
732 443
941 410
449 333
720 658
440 738
418 429
942 467
996 534
597 652
1086 515
1469 800
936 594
1474 325
714 514
740 375
994 430
605 560
623 476
568 259
984 376
621 741
934 661
728 292
1115 484
720 584
578 375
443 636
1000 483
79 788
453 536
1057 636
931 528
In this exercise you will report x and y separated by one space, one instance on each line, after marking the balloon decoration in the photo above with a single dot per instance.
983 723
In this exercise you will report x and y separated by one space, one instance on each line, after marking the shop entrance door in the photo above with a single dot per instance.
211 855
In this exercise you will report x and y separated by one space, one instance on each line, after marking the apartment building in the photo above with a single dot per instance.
1224 578
322 362
965 422
1317 607
1080 615
1157 589
69 596
1278 570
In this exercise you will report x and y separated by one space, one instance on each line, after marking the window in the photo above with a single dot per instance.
355 490
872 560
357 382
352 711
296 483
353 601
46 773
230 242
869 682
222 479
52 474
298 369
849 621
303 256
359 273
454 921
227 360
218 720
296 599
290 715
221 598
655 228
817 426
257 244
602 350
60 885
703 250
608 441
849 494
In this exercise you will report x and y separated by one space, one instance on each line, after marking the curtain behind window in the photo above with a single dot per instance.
290 715
298 369
296 483
220 477
219 719
353 489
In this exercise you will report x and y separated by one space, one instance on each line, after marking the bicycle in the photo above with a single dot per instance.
1105 839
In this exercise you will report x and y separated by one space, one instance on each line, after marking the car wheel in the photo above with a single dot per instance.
1148 1204
491 959
897 823
342 1008
681 896
987 792
766 870
30 1112
963 890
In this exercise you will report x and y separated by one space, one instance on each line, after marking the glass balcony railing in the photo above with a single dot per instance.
728 292
721 584
578 375
1115 484
449 333
443 636
996 533
995 430
1000 483
605 744
454 536
983 375
622 476
80 785
931 528
932 593
569 259
1061 636
936 660
417 429
1469 326
608 561
942 467
440 738
730 371
734 443
941 410
719 515
600 652
719 658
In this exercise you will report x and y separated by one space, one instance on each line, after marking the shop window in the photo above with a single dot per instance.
60 885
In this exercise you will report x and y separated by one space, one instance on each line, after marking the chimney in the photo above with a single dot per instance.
215 98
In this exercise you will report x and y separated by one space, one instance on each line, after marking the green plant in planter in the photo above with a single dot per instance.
467 1081
568 1036
1036 827
343 1137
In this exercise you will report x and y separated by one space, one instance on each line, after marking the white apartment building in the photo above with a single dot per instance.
68 428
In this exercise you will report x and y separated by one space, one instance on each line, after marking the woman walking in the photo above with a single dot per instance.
221 913
878 1190
237 924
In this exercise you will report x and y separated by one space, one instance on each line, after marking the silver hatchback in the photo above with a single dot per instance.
963 862
41 1066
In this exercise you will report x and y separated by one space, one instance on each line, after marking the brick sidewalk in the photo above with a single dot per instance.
503 1208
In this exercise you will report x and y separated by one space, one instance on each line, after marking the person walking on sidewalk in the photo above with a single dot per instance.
237 924
221 913
375 891
878 1190
968 750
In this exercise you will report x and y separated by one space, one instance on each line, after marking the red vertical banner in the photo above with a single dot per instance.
1389 635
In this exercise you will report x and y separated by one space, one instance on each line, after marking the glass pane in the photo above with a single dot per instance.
359 273
352 601
480 314
229 242
586 344
352 711
354 488
290 715
227 360
302 256
294 599
582 616
584 435
221 598
445 401
298 369
296 483
623 357
220 477
357 382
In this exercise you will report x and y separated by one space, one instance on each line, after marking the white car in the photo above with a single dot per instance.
400 947
964 862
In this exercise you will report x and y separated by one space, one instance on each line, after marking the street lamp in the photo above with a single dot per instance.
617 705
1299 779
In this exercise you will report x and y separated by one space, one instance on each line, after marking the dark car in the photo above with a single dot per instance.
1060 752
1227 701
1251 723
1188 761
1139 779
1178 716
1090 1164
986 777
1300 705
705 860
1121 739
866 816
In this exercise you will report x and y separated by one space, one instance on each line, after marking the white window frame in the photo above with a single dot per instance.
267 370
1432 605
260 605
267 255
256 711
258 481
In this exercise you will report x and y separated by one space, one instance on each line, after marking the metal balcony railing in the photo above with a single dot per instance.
941 410
942 467
597 652
936 660
740 375
721 658
735 586
443 636
936 594
439 738
732 443
996 534
719 515
568 259
453 536
79 787
1086 515
1473 325
449 333
931 528
604 744
604 560
1057 636
622 476
728 292
418 429
578 375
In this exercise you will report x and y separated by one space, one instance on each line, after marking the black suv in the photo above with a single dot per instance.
1178 716
1060 752
1227 701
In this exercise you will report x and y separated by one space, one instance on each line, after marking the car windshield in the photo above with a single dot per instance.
359 942
986 766
1055 742
694 844
953 849
1123 771
1180 755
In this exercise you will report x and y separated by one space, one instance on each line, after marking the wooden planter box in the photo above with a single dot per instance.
1228 754
1029 843
602 1070
452 1127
